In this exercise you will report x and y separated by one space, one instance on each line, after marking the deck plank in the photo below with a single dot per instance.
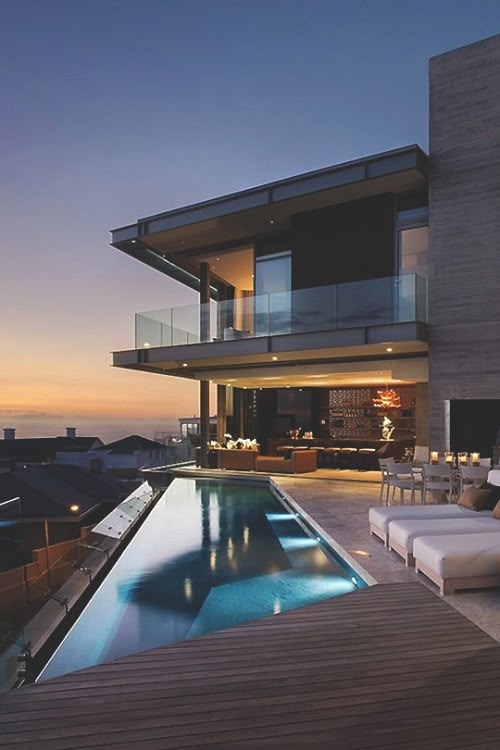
392 666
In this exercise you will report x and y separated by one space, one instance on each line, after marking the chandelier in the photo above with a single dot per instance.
387 399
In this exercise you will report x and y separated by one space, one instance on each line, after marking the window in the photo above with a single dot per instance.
273 281
413 251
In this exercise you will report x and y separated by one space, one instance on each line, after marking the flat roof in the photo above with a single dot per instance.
167 241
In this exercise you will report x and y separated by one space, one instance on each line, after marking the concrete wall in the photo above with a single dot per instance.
464 288
422 414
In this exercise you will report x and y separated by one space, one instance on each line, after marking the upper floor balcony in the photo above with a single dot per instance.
382 302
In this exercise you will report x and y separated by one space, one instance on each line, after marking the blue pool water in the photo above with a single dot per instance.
210 555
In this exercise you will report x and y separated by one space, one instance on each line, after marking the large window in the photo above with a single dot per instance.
412 237
413 250
273 282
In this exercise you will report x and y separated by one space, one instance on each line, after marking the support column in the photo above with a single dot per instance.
221 412
238 412
421 414
204 421
204 302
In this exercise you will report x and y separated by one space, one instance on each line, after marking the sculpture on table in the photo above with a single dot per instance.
387 429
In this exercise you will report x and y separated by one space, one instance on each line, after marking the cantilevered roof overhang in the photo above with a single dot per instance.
171 241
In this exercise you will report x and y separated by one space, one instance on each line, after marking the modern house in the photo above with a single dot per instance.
321 294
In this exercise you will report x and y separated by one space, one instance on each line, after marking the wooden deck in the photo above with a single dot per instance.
392 666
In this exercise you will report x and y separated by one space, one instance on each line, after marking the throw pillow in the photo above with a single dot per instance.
495 492
496 511
475 499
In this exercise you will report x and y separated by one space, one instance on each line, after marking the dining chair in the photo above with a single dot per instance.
436 478
400 476
469 475
383 462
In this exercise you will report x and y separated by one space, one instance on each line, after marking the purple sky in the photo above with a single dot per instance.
118 109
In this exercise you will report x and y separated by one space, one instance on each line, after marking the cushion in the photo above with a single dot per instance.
405 533
382 516
459 556
475 498
496 511
495 492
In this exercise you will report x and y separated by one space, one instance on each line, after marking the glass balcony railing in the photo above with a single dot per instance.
393 299
58 575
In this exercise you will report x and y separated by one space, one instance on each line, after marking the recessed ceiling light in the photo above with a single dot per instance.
274 359
389 349
184 364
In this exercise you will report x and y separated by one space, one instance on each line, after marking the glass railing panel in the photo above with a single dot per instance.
314 309
365 303
55 571
148 332
360 303
261 315
405 299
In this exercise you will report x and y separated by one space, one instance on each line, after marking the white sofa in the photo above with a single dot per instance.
403 534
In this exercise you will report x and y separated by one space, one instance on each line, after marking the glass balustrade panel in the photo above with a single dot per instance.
355 304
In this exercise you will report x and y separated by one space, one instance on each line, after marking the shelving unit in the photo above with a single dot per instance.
350 413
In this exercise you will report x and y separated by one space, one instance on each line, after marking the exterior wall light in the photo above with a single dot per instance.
74 508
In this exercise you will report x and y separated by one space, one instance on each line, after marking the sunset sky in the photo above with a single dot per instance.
117 109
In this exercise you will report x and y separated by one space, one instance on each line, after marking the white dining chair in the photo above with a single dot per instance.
436 478
400 476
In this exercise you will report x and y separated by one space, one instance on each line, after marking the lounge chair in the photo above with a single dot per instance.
459 561
379 518
403 534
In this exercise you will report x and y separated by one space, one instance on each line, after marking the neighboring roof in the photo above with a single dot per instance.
131 444
50 490
99 486
42 495
44 448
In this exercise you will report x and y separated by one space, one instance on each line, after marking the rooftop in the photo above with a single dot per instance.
170 241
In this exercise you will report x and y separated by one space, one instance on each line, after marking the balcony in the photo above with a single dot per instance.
358 304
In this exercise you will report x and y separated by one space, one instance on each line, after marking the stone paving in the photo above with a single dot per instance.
341 509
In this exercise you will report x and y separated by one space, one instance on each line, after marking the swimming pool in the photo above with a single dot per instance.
210 555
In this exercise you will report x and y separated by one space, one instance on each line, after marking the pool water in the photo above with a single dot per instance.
209 555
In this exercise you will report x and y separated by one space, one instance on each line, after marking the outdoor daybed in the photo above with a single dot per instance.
459 561
454 546
403 534
380 517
